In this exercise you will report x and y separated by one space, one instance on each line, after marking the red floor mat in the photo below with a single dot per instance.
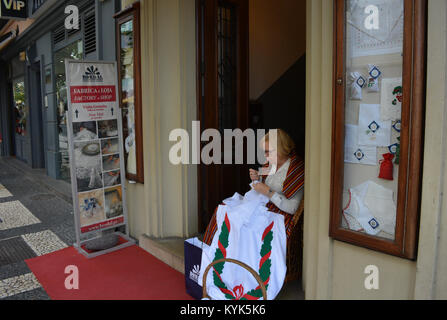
126 274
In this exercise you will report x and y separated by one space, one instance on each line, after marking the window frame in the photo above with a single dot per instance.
132 13
411 152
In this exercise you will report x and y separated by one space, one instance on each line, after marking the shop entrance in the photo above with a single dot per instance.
20 115
251 75
223 93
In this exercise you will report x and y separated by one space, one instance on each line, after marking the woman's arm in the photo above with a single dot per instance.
287 205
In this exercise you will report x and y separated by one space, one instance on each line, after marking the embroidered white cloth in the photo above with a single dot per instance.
354 153
374 74
372 131
249 233
375 32
356 82
391 99
373 208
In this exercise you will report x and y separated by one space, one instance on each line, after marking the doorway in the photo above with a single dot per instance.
223 94
251 74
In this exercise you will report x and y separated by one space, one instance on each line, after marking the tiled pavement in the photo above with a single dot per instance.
34 220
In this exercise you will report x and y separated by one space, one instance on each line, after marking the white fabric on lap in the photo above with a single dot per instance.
248 220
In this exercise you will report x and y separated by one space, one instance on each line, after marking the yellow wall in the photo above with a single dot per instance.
431 280
166 205
335 270
277 40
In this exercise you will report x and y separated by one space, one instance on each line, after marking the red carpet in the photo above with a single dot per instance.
127 274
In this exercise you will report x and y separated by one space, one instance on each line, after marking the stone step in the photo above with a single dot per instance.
170 250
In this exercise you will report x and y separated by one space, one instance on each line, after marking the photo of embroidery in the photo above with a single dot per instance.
111 162
88 165
91 205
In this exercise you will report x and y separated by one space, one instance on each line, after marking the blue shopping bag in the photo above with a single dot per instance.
193 261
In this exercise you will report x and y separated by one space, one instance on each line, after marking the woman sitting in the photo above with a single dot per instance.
283 184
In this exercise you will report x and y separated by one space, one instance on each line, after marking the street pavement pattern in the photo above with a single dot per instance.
33 222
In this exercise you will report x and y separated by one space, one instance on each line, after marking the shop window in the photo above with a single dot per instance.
128 56
378 109
20 110
72 51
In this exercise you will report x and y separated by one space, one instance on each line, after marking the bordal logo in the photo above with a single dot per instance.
92 74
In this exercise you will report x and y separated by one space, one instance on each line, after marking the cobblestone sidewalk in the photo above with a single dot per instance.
34 220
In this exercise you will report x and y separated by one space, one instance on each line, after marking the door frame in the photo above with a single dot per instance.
204 53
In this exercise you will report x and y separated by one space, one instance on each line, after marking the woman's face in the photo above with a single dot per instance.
270 153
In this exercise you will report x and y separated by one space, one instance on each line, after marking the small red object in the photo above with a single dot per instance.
386 167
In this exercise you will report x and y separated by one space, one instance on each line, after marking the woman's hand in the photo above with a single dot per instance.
254 175
262 189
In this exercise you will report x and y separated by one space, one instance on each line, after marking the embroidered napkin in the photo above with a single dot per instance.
372 131
354 153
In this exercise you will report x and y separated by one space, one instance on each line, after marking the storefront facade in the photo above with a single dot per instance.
36 132
156 44
166 204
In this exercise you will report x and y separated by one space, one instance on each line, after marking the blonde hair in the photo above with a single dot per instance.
285 143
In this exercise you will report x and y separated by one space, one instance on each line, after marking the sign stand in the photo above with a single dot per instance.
96 150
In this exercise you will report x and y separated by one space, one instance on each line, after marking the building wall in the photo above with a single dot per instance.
431 280
277 40
335 270
38 32
166 205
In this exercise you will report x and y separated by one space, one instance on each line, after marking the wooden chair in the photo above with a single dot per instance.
294 256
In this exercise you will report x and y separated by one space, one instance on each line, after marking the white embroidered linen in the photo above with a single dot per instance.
391 99
374 74
249 219
356 83
374 33
372 131
354 153
373 207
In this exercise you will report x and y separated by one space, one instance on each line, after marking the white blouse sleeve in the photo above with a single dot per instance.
287 205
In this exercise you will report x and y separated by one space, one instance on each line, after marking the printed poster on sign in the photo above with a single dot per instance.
96 152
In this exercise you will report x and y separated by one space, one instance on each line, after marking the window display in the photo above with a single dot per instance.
376 122
130 93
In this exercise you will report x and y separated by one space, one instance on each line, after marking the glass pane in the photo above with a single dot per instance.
72 51
128 94
20 109
374 48
226 52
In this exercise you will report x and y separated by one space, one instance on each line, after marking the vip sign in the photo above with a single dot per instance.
13 9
